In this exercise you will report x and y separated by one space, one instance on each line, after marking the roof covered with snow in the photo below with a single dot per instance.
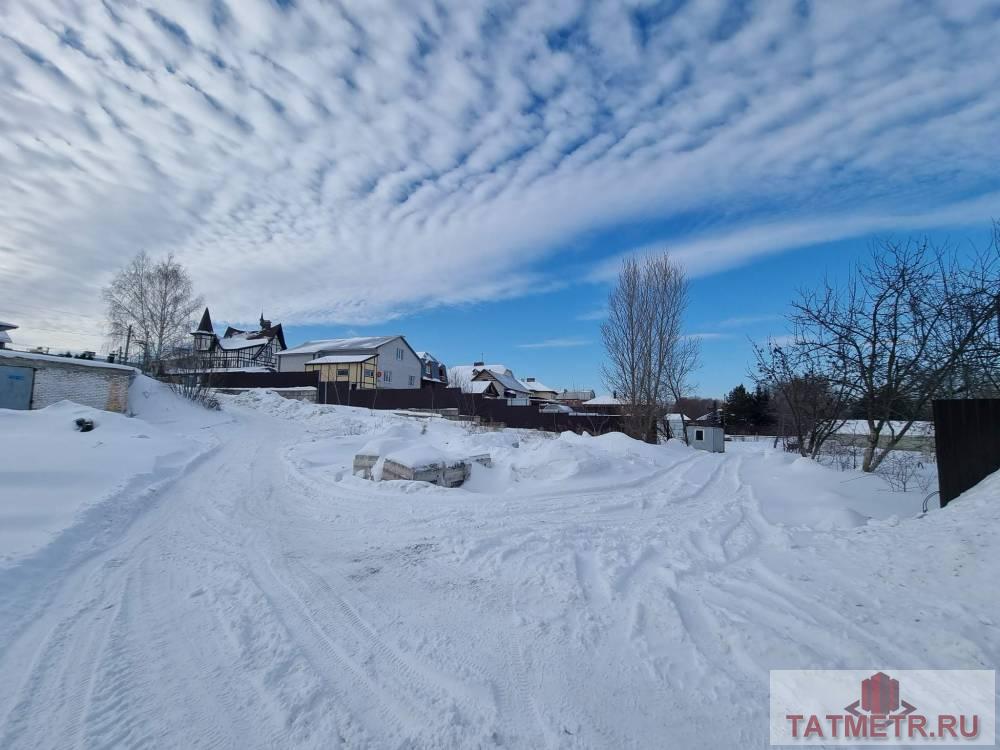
240 341
537 386
605 400
71 361
340 359
470 371
365 343
477 386
461 374
576 395
508 381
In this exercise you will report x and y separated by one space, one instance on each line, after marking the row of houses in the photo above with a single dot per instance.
31 380
34 379
363 363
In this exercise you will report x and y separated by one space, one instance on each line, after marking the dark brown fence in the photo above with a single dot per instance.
263 379
967 443
487 409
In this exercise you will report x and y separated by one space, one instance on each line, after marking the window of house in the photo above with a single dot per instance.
369 373
412 380
699 434
387 376
399 353
341 371
202 343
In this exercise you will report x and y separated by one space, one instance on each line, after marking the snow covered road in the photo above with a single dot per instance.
268 598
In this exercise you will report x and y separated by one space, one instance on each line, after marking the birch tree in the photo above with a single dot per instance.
156 301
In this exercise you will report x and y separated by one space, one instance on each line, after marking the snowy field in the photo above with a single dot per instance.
187 579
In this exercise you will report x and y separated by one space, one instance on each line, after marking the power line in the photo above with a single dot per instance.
67 331
47 308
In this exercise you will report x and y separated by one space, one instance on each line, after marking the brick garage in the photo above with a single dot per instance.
100 385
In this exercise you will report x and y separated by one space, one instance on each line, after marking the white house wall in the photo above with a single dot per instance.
400 370
295 362
410 366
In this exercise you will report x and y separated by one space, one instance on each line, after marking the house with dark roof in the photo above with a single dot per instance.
374 361
237 349
508 386
434 374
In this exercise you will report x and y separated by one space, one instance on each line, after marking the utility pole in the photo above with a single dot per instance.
128 340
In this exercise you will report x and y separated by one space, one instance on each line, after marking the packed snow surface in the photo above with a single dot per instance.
229 583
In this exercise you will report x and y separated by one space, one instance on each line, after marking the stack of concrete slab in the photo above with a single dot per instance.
419 464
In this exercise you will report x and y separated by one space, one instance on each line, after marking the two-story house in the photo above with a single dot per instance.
363 362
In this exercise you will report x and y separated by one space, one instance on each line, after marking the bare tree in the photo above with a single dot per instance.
679 370
903 469
807 404
153 300
188 379
648 358
466 399
897 333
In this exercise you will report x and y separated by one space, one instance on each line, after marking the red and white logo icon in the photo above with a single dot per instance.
941 707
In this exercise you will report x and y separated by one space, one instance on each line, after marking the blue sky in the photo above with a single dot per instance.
471 173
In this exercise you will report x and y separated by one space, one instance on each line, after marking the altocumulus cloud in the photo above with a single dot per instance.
351 162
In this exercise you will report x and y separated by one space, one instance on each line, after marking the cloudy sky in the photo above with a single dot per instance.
470 173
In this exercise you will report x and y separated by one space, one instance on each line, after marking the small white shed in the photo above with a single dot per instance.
707 437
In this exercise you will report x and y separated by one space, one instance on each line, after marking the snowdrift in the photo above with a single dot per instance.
55 478
791 491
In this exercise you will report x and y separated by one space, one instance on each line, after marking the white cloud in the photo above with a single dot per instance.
743 321
558 343
598 313
720 251
354 162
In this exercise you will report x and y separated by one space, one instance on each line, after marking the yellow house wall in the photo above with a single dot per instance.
355 372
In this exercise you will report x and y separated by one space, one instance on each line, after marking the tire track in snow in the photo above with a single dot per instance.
60 680
425 701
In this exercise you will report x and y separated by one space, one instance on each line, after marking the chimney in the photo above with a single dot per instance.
478 364
529 380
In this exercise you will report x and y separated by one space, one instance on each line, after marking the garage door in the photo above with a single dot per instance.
15 387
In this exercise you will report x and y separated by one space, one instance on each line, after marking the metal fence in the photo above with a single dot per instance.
967 443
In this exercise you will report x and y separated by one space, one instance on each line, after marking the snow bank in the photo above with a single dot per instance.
51 474
799 492
791 491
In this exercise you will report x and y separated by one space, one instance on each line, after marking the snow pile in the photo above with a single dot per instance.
792 491
339 419
52 475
